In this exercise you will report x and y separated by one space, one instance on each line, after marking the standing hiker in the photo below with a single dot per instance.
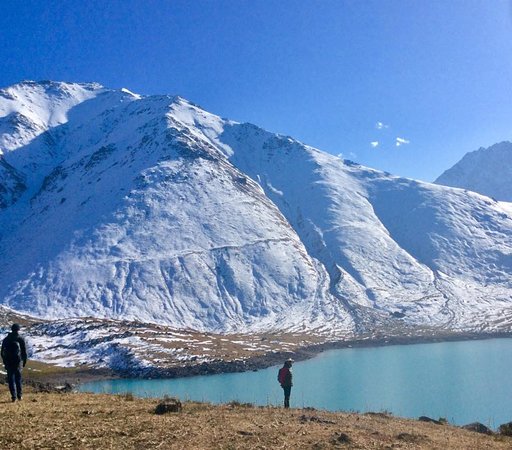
285 380
14 356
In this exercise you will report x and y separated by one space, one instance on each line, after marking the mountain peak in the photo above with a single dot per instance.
487 171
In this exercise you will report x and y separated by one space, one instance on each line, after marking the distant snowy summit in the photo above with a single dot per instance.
116 205
486 170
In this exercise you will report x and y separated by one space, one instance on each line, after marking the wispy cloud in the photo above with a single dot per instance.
374 144
381 126
350 155
401 141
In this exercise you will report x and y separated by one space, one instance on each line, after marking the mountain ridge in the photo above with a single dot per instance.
153 209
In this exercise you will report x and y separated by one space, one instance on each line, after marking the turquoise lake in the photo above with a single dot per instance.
460 381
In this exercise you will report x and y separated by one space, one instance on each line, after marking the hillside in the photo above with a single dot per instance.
149 209
486 170
89 421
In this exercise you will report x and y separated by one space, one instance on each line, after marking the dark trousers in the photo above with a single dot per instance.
287 391
14 380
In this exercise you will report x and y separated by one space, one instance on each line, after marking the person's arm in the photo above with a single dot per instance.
3 350
290 377
23 348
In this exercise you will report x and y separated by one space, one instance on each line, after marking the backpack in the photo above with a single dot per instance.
281 376
12 352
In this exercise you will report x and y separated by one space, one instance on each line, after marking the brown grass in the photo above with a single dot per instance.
87 421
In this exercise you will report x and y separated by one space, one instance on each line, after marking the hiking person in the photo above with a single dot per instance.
285 380
14 356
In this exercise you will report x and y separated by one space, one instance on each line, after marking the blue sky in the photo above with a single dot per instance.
437 74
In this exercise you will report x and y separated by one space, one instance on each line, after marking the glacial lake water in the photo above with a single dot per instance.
461 381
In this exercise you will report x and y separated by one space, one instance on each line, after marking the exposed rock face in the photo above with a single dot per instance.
12 184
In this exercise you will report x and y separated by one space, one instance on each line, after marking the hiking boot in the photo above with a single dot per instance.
19 398
13 399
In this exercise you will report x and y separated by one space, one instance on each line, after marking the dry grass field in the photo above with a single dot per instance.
87 421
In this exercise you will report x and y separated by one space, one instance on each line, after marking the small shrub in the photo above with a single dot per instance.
128 396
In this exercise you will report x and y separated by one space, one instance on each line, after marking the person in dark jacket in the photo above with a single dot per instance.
285 380
14 357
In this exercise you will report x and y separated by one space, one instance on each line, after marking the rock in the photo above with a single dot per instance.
245 433
51 388
428 419
305 419
168 405
64 388
411 438
477 427
382 415
505 429
341 438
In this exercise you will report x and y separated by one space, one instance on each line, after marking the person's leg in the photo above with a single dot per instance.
12 383
18 380
287 391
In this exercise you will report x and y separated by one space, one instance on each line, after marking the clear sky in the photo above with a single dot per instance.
436 74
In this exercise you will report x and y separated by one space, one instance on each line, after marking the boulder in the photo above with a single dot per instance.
478 427
505 429
168 405
428 419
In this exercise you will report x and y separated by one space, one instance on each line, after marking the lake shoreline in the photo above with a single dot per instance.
254 363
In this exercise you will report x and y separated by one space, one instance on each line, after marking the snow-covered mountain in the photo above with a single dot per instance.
487 171
122 206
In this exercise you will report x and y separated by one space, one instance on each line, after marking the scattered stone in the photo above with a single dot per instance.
410 438
64 388
51 388
383 415
305 419
168 405
245 433
237 404
478 427
341 438
505 429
